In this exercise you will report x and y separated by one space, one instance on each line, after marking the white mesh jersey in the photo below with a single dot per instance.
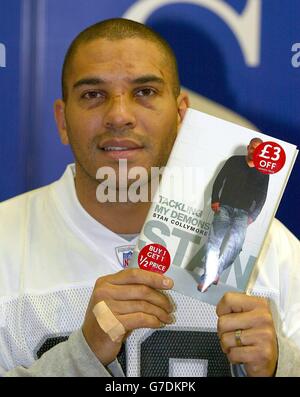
51 253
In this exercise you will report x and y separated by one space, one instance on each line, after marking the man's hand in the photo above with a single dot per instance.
251 315
215 207
133 297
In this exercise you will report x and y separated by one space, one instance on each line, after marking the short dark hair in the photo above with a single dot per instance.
118 29
256 140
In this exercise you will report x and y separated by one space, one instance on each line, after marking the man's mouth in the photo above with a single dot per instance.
117 148
120 145
121 148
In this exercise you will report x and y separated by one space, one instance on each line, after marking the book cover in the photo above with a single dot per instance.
214 205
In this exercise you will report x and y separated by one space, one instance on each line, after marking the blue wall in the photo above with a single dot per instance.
264 89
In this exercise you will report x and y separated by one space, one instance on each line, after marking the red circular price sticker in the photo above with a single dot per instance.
154 257
269 157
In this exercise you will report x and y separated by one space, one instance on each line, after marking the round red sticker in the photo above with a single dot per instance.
269 157
154 257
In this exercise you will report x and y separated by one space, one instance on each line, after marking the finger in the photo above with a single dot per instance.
129 307
245 320
248 337
136 292
239 302
139 276
244 354
228 340
140 320
257 361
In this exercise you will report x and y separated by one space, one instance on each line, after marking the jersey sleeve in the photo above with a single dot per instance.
288 326
72 358
278 271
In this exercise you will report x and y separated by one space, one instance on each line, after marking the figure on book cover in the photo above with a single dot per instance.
238 196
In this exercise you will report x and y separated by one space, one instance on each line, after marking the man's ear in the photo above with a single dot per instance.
59 113
183 103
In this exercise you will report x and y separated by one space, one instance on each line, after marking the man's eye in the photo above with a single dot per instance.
145 92
92 95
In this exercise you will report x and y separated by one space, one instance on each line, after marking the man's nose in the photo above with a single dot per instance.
120 114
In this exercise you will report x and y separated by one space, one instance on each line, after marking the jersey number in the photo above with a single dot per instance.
163 345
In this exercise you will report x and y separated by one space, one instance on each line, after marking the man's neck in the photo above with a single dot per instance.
121 218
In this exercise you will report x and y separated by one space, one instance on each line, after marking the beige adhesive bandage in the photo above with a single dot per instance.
108 322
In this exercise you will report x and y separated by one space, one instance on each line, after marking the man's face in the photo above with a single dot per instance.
120 105
251 147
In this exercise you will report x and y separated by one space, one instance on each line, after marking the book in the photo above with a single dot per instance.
213 207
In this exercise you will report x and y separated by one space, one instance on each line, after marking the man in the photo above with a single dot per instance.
238 195
121 100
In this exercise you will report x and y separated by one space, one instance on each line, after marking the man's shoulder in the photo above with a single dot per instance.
19 213
278 258
17 204
282 242
279 231
235 159
34 198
